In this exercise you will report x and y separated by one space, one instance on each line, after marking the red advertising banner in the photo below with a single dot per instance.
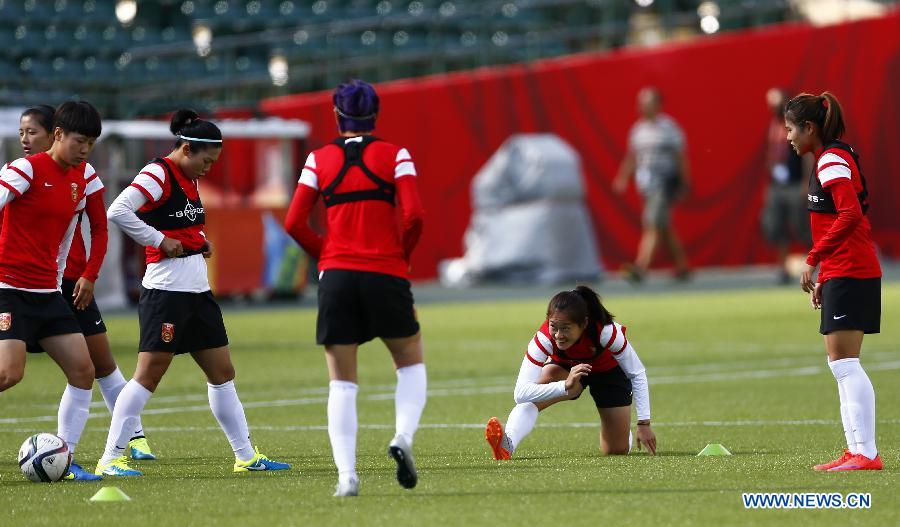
714 87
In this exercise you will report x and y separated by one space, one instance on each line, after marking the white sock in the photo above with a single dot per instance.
520 422
229 412
342 426
409 399
860 398
630 441
129 405
845 420
74 407
110 386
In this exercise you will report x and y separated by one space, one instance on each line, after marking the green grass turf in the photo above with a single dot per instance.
742 368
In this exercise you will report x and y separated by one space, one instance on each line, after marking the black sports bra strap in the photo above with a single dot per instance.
353 150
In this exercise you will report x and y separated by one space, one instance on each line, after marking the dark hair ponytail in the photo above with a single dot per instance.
580 305
190 129
823 110
43 113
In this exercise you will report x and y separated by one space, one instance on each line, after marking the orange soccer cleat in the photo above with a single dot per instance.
860 462
837 462
495 436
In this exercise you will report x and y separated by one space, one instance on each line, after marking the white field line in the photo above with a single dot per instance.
482 390
479 426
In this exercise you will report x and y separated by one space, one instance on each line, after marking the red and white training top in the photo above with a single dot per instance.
363 235
151 188
617 351
41 203
842 242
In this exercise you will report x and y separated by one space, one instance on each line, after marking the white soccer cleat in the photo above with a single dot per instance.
346 489
401 452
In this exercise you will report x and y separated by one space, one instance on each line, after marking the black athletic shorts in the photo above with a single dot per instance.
357 306
180 322
609 389
851 303
89 318
30 317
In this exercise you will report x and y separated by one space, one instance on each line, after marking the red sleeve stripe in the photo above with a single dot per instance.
538 342
143 191
155 178
23 174
311 169
536 363
93 177
833 163
624 345
11 188
403 160
612 338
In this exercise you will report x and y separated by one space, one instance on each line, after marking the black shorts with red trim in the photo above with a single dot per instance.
358 306
609 389
851 303
89 318
30 317
180 322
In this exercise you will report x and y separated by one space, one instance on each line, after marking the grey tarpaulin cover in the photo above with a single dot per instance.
529 222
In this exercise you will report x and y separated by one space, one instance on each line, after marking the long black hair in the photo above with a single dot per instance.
822 110
189 128
581 305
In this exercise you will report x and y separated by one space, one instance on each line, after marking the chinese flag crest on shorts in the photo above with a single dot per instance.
168 332
5 321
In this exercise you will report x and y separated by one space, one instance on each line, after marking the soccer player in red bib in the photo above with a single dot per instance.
363 262
82 271
848 286
162 211
579 346
42 196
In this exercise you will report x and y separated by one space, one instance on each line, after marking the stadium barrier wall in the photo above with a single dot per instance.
714 87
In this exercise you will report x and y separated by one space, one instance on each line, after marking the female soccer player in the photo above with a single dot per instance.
363 264
81 272
178 314
42 196
848 286
578 346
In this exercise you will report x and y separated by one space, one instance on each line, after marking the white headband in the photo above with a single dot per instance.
186 138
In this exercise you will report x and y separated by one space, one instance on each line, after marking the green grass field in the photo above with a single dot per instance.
742 368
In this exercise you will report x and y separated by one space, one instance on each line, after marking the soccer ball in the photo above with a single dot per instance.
44 457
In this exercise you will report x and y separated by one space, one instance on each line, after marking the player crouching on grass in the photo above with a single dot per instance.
579 346
161 210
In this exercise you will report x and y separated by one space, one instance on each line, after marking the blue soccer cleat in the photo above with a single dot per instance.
257 463
76 473
140 449
117 467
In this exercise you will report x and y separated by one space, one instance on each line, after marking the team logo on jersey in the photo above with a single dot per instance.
190 212
5 321
168 332
74 191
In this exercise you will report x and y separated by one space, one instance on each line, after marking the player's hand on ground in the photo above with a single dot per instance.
83 293
573 381
806 279
816 297
644 435
171 247
207 249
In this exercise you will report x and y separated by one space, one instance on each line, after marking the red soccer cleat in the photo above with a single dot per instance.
860 462
495 436
837 462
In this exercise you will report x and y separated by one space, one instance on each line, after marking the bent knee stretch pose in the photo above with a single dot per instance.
363 261
579 346
42 196
848 286
177 311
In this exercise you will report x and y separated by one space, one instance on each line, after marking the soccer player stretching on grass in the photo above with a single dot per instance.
178 314
578 346
81 272
848 286
41 197
363 264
